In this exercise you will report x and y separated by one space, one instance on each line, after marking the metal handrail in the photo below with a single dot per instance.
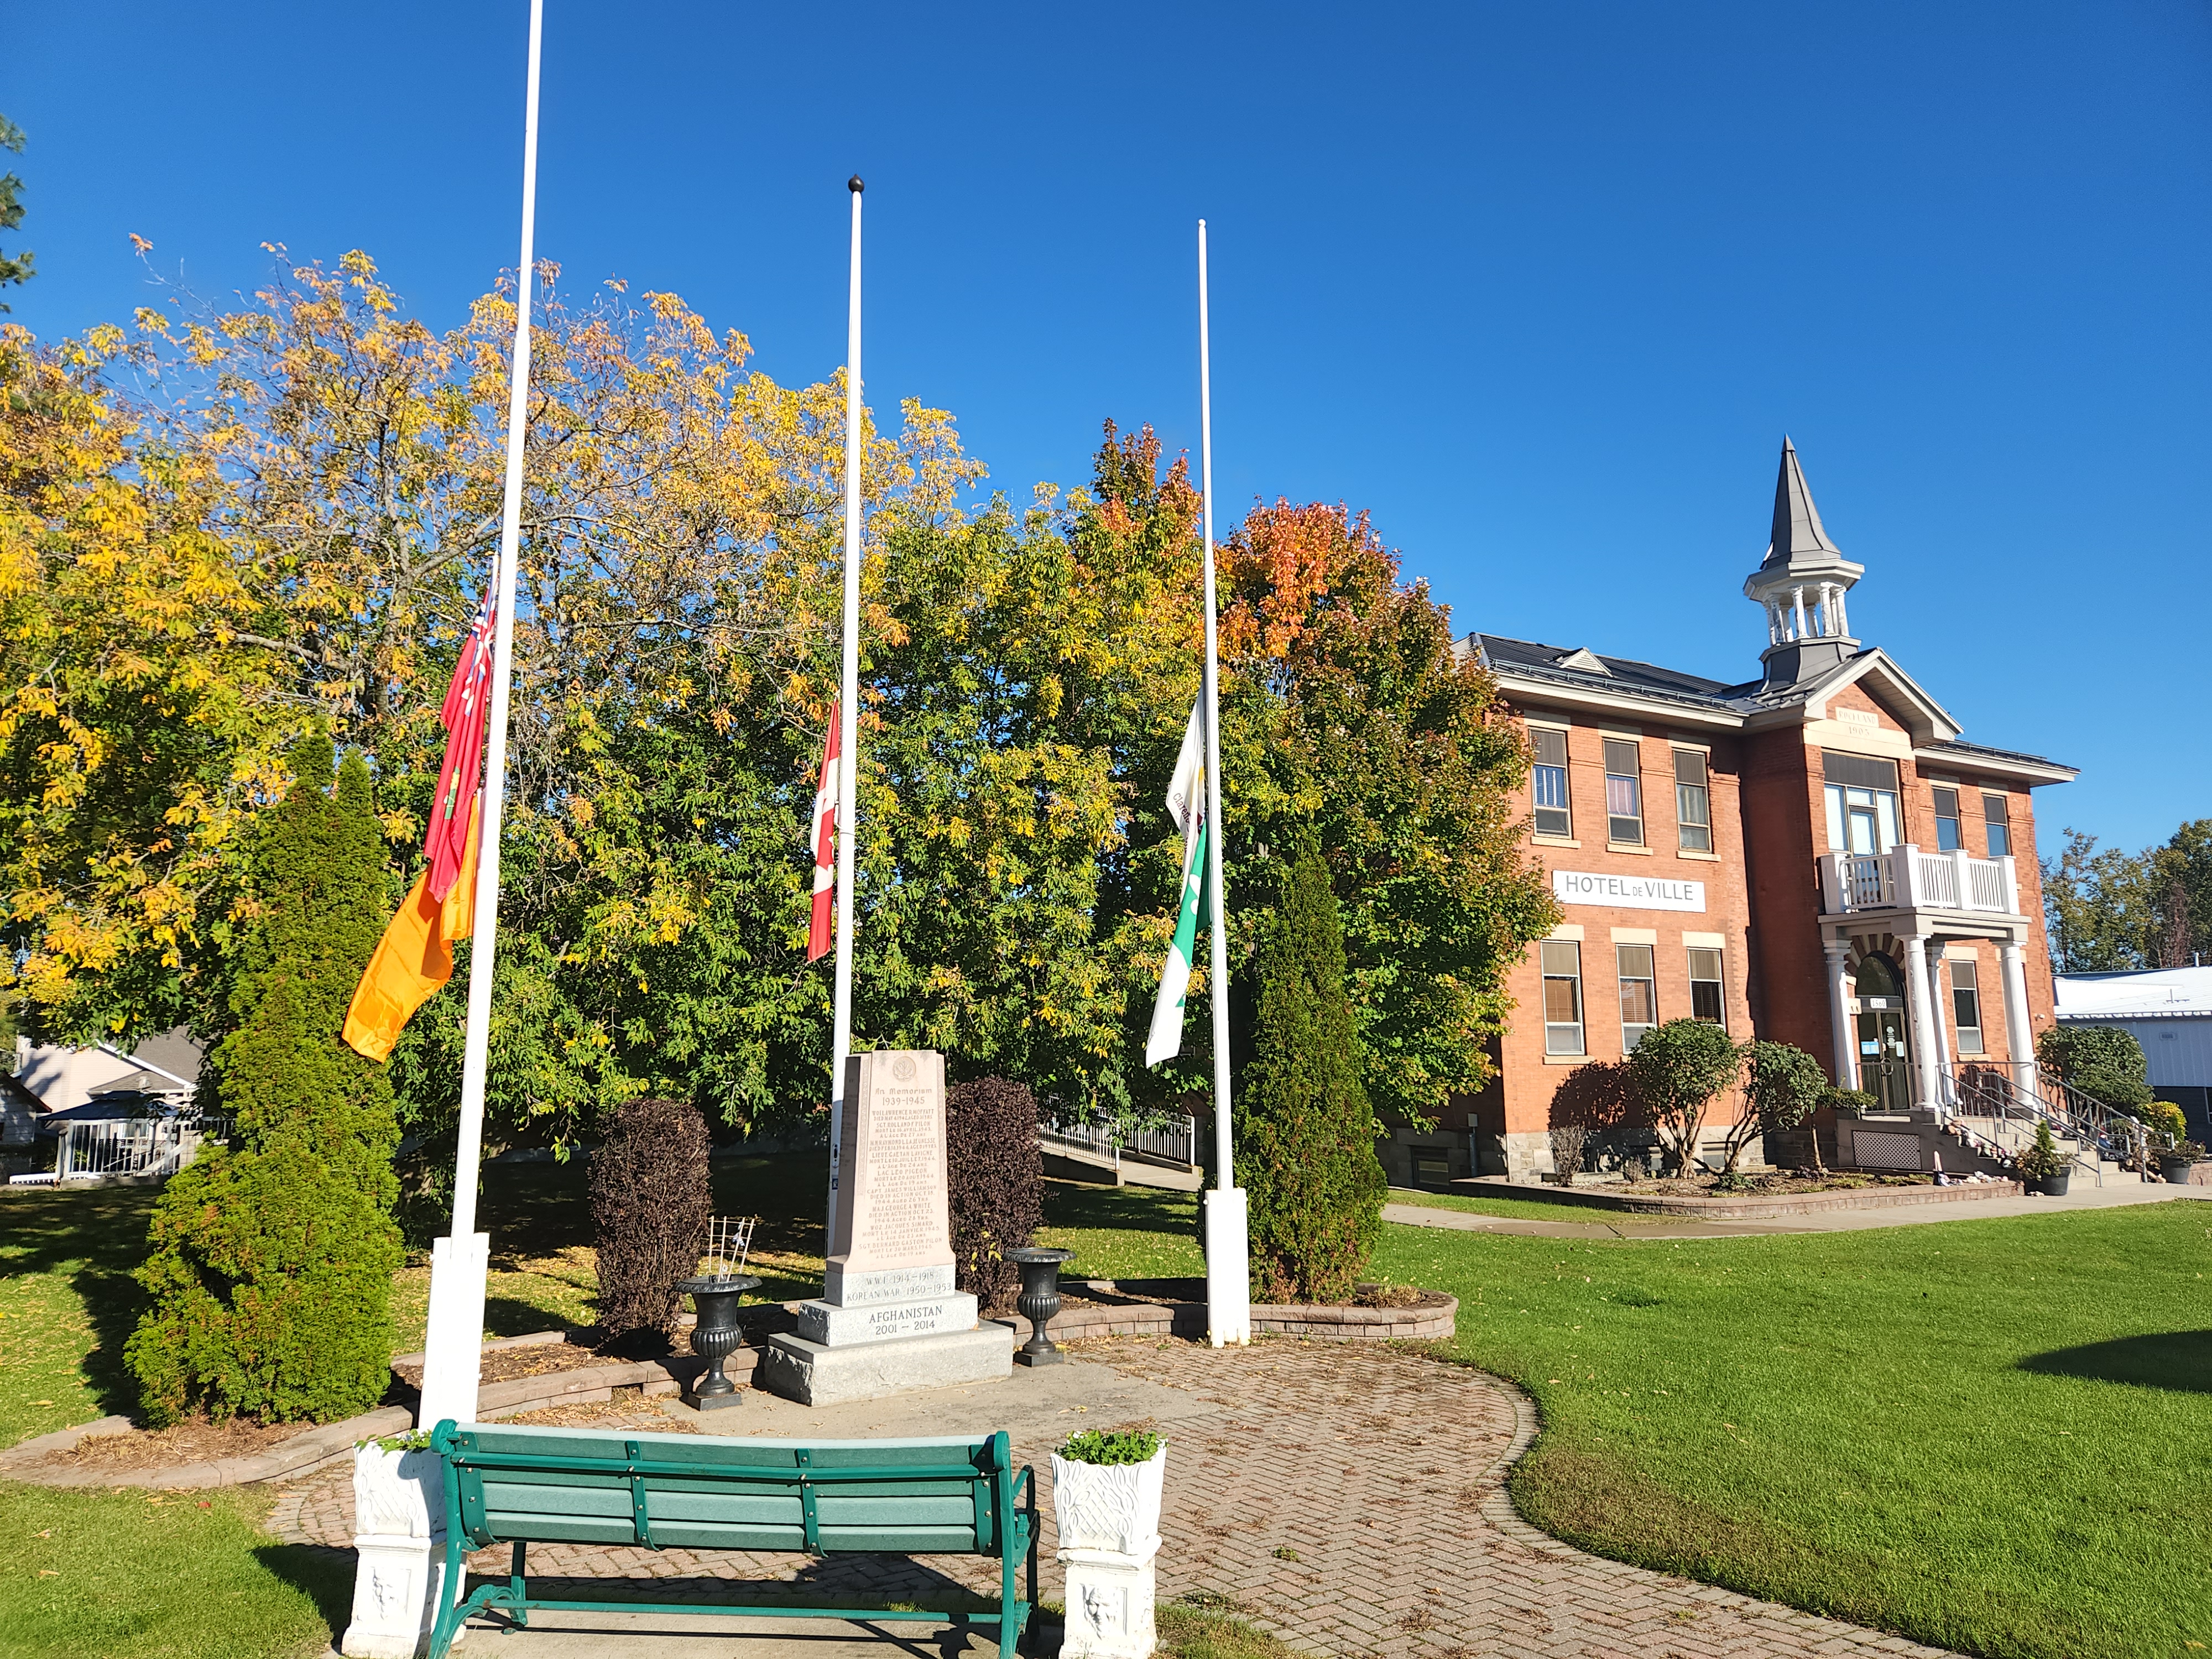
2093 1126
1173 1145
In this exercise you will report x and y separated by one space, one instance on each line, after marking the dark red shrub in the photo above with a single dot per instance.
650 1206
997 1179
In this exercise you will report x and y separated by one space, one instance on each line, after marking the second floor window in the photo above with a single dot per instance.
1624 793
1947 821
1998 817
1562 997
1694 801
1553 817
1639 996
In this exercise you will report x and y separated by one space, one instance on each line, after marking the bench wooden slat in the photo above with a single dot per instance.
524 1485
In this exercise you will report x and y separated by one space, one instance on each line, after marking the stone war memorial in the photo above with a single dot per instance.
889 1318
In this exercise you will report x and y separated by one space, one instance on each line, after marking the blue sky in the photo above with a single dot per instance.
1540 287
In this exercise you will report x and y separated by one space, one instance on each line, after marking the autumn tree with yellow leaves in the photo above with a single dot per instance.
221 529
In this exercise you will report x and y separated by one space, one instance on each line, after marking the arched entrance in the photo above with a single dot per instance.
1885 1053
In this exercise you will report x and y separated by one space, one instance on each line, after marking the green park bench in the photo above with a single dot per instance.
952 1496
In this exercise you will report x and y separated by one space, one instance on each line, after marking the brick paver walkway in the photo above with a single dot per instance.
1381 1471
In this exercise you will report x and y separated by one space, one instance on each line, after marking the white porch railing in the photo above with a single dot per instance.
1907 878
1173 1142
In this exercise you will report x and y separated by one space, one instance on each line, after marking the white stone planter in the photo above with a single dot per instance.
1108 1519
399 1544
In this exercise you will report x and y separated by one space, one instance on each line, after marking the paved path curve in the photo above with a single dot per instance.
1349 1497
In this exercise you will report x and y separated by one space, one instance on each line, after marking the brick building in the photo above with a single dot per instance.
1815 856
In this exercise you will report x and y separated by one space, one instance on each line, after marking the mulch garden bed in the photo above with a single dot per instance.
1756 1185
196 1440
537 1359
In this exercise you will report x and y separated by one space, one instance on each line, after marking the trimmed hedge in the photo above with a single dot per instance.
271 1272
996 1174
1305 1132
650 1203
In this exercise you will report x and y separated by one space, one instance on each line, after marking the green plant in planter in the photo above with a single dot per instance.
1858 1101
2041 1161
2168 1123
1109 1448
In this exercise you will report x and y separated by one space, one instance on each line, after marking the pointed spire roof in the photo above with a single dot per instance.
1798 534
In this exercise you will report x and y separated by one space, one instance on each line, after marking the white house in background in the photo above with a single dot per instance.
62 1077
2169 1012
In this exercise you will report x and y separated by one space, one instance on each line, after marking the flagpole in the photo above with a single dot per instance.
452 1360
1228 1254
848 704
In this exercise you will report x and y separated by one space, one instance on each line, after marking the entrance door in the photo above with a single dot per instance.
1885 1058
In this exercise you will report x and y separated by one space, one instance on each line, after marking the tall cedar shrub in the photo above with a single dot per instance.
649 1207
996 1173
1305 1133
270 1271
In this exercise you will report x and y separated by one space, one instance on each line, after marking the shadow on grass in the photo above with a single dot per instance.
1137 1209
323 1575
97 1236
2180 1360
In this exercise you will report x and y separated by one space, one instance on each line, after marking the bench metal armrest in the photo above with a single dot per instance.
1020 1481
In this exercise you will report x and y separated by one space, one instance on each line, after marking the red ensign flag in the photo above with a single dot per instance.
819 939
447 843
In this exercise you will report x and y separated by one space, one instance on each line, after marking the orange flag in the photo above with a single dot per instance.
415 957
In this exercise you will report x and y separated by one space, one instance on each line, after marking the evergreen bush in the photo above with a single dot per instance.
1305 1133
270 1271
2104 1062
996 1173
1782 1087
650 1203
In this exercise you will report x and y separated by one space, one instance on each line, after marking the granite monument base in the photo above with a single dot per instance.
814 1375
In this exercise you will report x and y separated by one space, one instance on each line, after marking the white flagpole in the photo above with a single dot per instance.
452 1359
848 704
1228 1249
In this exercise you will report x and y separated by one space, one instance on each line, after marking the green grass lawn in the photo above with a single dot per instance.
1521 1209
1993 1436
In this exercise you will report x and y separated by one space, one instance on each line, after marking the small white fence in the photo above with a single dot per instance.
1174 1142
154 1147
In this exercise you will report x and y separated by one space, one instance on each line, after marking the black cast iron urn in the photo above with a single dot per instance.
1039 1301
717 1335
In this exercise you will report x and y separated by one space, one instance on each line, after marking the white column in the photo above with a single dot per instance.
1938 990
2020 1036
1843 621
1839 1013
1797 610
1924 1047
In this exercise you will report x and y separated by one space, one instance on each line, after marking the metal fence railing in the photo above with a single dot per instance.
1174 1142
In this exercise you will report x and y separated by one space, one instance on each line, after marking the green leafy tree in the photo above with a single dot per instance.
1782 1086
1679 1068
1305 1133
272 1258
13 267
2109 910
2104 1062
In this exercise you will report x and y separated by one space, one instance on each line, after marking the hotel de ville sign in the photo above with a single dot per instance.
1628 892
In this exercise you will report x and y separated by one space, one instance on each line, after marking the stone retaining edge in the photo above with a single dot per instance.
1745 1209
1429 1322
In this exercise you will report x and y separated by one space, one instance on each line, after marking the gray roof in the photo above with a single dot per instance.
1797 533
1526 659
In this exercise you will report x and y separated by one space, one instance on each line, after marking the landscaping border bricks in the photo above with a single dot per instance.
329 1441
1747 1207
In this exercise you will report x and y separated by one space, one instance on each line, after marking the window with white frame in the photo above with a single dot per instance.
1861 800
1694 801
1996 817
1639 994
1706 1000
1548 777
1946 820
1562 997
1624 792
1967 1006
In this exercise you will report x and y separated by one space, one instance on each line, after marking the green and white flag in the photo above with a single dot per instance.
1187 809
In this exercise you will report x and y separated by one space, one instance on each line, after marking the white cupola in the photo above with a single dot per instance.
1800 585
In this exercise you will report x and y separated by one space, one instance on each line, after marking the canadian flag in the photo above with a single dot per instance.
826 844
